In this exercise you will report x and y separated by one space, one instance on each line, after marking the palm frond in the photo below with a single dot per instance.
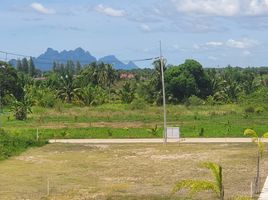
195 186
215 170
250 132
265 135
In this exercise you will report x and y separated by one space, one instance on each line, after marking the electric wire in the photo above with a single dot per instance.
50 61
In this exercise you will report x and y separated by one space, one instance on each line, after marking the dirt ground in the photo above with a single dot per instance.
124 171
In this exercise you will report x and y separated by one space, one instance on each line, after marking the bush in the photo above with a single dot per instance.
201 133
13 145
58 106
138 104
259 110
20 113
249 109
41 96
194 101
210 101
47 101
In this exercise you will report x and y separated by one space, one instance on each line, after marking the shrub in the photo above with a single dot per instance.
249 109
153 131
58 106
201 133
259 110
47 101
195 101
13 145
210 101
21 109
109 132
138 104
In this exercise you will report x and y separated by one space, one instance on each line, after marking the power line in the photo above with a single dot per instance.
50 61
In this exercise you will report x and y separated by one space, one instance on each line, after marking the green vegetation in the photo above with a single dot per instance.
201 185
258 140
126 122
94 101
14 144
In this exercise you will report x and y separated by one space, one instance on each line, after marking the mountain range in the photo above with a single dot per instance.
45 61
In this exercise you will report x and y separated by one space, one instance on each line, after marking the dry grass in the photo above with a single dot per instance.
130 171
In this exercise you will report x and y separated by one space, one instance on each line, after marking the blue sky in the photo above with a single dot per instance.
214 32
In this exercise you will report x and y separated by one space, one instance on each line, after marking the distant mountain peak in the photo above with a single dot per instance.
46 59
50 50
80 49
131 65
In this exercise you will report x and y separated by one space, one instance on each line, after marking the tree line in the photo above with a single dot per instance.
100 83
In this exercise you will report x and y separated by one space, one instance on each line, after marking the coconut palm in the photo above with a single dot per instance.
195 186
258 141
126 93
67 90
91 95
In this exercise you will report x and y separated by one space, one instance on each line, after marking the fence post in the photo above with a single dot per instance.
48 189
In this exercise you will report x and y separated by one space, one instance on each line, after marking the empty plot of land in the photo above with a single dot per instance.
123 171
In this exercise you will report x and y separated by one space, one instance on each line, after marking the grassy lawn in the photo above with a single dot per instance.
132 171
120 121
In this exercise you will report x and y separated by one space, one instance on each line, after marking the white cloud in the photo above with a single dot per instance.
109 11
208 45
196 46
208 7
42 9
257 7
145 28
241 44
222 7
244 43
213 43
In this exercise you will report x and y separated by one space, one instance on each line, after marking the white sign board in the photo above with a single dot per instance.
173 132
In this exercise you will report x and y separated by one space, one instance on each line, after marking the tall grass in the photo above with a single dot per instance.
14 144
122 121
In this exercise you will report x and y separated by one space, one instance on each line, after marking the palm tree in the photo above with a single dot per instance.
195 186
156 81
67 89
86 95
106 76
258 141
126 93
111 77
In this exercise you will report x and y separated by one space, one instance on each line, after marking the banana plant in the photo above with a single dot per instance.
258 141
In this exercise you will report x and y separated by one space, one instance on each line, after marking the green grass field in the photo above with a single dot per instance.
119 121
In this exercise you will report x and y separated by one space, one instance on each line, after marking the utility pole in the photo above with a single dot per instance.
1 68
164 96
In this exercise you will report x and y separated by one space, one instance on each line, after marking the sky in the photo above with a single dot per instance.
214 32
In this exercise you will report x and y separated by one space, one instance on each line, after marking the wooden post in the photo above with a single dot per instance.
48 189
251 190
37 134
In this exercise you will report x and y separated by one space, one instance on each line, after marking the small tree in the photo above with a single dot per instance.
22 108
199 185
126 93
257 140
